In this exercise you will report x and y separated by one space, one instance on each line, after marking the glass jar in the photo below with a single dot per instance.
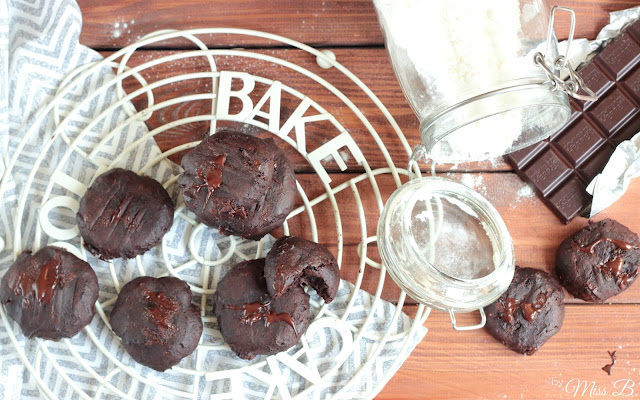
483 79
478 74
445 245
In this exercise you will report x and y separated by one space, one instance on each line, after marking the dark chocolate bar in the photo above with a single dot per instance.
561 167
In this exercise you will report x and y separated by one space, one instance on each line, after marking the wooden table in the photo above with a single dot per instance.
446 364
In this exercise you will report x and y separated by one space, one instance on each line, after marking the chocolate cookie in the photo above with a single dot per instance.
252 322
293 261
528 313
238 183
156 321
123 214
51 294
598 261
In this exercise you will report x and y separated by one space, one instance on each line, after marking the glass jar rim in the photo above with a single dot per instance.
502 273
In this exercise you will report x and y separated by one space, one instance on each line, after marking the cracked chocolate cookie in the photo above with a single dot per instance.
156 321
251 321
529 313
598 261
123 214
241 184
293 261
51 293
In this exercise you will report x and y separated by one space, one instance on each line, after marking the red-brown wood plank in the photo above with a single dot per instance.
315 22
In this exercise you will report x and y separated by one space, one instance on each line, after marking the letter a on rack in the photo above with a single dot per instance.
298 120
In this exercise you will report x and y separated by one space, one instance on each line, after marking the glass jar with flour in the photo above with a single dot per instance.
484 79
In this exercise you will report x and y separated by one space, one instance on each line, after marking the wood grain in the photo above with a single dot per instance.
315 22
472 365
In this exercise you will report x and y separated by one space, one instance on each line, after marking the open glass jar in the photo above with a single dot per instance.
483 77
445 245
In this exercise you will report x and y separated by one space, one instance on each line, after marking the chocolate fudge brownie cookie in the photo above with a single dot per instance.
250 320
51 294
156 321
293 261
528 313
238 183
599 261
123 214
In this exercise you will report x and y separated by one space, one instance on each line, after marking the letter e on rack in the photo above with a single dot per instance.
331 149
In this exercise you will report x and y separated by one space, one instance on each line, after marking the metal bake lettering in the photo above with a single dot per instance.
297 121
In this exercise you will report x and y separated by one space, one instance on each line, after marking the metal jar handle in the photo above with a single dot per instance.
470 327
573 83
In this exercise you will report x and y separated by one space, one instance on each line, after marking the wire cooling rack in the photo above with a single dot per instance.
83 145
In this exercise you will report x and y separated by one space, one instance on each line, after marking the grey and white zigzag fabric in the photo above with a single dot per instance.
38 48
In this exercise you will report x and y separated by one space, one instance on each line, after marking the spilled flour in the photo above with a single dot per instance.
525 192
474 182
120 27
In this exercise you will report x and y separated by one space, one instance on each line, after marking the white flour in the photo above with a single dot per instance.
120 27
476 183
525 192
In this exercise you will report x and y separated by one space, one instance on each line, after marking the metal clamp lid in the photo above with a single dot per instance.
573 83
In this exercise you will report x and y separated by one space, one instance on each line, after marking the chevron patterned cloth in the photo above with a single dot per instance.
38 48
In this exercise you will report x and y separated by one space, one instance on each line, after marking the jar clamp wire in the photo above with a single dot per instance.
574 82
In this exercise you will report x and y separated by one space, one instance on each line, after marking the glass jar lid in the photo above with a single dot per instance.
445 245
